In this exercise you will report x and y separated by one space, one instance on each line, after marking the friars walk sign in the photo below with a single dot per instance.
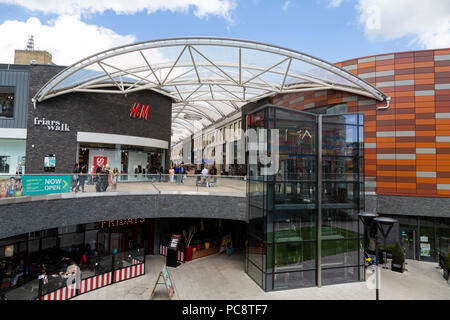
52 125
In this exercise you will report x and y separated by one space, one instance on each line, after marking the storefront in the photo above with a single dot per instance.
126 158
419 236
93 247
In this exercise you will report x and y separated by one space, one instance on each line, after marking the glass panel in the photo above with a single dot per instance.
340 224
292 280
426 239
295 256
294 226
340 275
339 139
337 253
255 273
255 252
7 102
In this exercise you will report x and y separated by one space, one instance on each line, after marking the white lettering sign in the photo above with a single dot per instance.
52 125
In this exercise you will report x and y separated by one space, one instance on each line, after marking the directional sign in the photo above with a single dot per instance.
34 185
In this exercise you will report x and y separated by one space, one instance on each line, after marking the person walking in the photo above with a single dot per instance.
171 174
205 172
19 168
76 172
90 175
114 179
98 179
81 179
106 177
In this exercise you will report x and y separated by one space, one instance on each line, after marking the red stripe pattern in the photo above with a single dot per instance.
163 252
129 272
95 282
61 294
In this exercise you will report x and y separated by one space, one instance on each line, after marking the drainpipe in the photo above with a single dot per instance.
388 102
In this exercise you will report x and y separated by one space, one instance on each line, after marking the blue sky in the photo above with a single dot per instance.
333 30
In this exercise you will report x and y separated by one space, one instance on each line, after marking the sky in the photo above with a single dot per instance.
333 30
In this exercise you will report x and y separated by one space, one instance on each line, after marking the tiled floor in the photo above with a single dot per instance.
223 277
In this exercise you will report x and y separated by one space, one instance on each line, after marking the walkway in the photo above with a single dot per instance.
221 277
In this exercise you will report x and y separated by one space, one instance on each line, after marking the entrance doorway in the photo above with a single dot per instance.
409 237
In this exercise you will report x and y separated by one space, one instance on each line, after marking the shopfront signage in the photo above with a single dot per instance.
100 162
139 111
52 125
120 223
35 185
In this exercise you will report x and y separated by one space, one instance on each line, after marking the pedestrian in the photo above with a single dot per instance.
90 177
171 173
106 177
19 168
98 179
76 172
177 173
114 179
81 179
205 177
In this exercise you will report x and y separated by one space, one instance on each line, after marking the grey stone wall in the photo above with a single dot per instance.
32 216
410 206
88 112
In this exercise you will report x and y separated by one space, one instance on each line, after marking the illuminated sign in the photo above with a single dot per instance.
120 223
140 112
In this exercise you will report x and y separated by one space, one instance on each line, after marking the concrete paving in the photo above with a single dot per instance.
223 277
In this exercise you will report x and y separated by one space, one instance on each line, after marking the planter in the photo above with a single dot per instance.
397 267
194 249
199 247
189 253
207 245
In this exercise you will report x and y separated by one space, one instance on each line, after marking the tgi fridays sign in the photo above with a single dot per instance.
52 125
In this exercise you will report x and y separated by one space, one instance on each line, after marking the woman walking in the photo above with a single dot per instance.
114 179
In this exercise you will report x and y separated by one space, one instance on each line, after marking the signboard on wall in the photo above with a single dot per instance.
99 162
49 162
35 185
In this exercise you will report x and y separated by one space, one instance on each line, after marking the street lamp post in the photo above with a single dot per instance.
384 225
367 219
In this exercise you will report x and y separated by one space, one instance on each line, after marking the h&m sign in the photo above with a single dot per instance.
52 125
138 111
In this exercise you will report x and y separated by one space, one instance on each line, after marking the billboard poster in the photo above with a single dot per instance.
99 162
11 187
47 184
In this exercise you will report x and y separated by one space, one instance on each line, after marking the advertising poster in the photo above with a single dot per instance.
99 162
35 185
11 187
425 249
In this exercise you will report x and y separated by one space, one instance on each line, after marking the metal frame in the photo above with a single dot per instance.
199 79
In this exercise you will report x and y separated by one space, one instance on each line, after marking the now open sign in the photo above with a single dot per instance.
34 185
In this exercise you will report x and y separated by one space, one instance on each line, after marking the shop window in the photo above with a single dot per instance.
4 164
6 102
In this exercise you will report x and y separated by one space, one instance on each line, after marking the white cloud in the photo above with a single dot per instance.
427 22
202 8
335 3
286 5
67 38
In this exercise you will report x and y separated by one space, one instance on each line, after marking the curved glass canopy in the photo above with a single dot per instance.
207 78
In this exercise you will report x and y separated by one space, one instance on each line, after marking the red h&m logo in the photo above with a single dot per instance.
137 111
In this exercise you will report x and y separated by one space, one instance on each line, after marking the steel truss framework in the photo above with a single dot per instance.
204 76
